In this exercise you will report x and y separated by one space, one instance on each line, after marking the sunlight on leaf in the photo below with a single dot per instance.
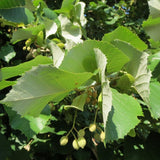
39 86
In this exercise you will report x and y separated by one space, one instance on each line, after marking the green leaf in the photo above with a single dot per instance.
155 99
51 130
17 11
50 14
4 4
81 58
154 60
17 15
27 33
4 84
122 117
78 102
125 82
37 2
9 72
154 7
7 53
28 125
152 25
126 35
70 30
39 86
57 54
79 13
50 27
154 63
106 91
40 38
137 67
67 6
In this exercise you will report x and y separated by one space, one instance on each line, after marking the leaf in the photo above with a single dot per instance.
137 67
50 27
79 13
70 30
67 6
26 32
152 25
125 82
50 21
28 125
155 99
78 102
17 15
40 38
52 130
106 91
50 14
6 4
4 84
9 72
154 7
39 86
154 63
81 58
124 34
17 11
154 60
57 54
7 53
122 117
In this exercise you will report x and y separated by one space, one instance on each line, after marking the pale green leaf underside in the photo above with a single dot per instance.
122 117
106 90
137 67
70 30
57 54
152 25
81 58
9 72
126 35
155 99
154 61
39 86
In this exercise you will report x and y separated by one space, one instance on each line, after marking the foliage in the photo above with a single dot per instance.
79 79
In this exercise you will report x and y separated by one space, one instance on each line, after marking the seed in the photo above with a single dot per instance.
75 144
92 127
81 133
81 142
102 136
63 141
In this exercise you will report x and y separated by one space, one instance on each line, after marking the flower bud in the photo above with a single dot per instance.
75 144
63 140
92 127
81 142
81 133
102 136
